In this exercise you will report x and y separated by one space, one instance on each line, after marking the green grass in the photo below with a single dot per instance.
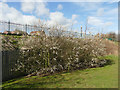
103 77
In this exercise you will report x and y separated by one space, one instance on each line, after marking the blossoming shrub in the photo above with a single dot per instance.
53 54
9 43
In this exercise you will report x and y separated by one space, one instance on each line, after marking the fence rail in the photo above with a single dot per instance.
11 26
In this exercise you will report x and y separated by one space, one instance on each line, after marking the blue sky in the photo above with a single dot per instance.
101 16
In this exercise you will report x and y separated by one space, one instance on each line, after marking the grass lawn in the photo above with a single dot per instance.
104 77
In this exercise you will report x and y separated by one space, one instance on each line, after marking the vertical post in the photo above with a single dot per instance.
85 32
9 26
1 65
86 26
81 31
26 28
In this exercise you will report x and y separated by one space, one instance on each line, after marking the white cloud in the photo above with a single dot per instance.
59 7
58 18
27 7
75 22
95 21
29 19
100 12
74 16
113 11
10 13
108 24
112 1
108 13
88 5
41 9
38 8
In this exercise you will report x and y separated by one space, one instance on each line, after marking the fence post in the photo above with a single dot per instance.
26 28
81 31
9 26
1 61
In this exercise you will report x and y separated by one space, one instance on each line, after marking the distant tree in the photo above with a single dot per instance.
112 36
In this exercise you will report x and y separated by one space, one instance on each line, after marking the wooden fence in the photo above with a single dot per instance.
9 58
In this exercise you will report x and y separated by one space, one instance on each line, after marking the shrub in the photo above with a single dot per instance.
50 54
9 43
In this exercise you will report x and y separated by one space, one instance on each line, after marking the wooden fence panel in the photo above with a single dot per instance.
9 58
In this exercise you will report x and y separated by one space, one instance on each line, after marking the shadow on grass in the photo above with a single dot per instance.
36 82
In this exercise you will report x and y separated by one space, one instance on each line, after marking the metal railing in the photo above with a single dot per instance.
11 26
